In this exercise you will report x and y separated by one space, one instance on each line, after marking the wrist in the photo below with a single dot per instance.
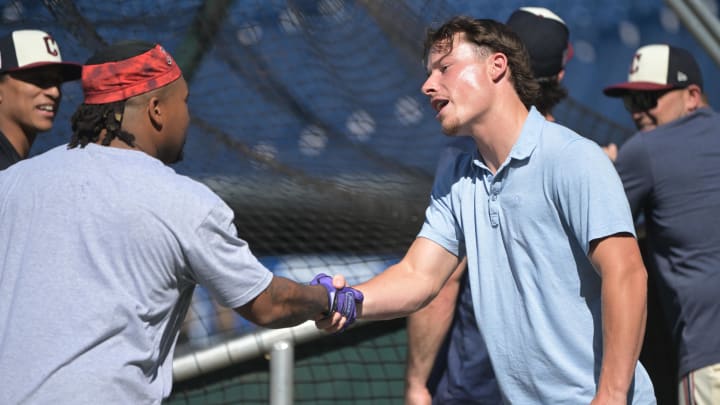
414 382
610 395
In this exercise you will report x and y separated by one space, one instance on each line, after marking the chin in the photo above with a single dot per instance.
645 128
43 128
450 130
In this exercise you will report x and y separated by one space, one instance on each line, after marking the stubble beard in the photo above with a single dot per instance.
450 129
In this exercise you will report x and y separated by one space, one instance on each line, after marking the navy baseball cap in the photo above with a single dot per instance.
28 49
658 67
545 36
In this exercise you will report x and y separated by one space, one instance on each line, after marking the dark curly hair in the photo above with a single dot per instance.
496 37
551 94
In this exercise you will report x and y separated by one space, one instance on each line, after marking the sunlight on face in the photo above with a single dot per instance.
458 85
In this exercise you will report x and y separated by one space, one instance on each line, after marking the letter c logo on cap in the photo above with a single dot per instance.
51 46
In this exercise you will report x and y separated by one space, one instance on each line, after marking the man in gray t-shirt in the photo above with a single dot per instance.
102 245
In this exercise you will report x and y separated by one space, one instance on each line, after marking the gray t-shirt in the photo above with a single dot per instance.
100 250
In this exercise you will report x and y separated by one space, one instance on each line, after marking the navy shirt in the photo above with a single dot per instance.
8 154
672 175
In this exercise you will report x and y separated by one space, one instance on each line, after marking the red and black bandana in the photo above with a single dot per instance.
114 81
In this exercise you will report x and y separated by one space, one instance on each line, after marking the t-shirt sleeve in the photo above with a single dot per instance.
590 195
633 167
223 263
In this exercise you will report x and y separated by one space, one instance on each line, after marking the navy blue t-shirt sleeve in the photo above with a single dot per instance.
634 167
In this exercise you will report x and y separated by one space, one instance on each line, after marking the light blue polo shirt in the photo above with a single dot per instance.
526 231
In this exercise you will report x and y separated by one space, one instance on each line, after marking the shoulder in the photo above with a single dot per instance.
189 191
635 145
561 145
153 183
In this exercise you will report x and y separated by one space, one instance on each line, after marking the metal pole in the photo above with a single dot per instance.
696 27
243 348
708 19
281 373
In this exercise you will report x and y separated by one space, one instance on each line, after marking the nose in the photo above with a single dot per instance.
428 88
637 115
53 91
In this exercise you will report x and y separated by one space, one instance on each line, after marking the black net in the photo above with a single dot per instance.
308 120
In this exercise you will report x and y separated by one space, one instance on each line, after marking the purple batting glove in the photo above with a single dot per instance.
344 300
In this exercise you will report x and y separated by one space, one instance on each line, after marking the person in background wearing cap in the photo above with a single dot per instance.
671 173
453 367
31 72
92 316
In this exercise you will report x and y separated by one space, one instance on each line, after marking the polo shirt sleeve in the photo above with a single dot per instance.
223 263
633 166
441 225
590 196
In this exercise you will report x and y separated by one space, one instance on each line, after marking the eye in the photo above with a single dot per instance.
443 68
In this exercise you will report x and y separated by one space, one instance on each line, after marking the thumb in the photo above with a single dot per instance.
339 281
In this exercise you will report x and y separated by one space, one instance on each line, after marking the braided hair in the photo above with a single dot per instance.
90 120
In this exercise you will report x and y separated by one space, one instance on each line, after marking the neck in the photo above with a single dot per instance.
20 140
499 131
120 144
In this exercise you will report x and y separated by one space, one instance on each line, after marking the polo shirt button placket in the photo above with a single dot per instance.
493 206
494 212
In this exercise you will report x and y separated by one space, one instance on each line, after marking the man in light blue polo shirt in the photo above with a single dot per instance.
557 280
456 369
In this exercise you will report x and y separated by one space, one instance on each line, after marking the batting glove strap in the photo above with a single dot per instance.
344 300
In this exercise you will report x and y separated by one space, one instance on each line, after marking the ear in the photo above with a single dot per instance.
693 98
560 75
154 112
497 66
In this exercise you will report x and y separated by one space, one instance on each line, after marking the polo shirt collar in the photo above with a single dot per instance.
528 139
525 145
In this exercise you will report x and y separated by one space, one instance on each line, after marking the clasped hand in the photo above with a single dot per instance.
343 303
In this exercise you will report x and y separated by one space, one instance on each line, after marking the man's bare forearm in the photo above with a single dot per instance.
286 303
624 313
426 330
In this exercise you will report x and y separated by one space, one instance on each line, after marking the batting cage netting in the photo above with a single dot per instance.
308 120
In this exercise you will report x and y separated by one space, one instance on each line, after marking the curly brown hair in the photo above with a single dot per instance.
497 37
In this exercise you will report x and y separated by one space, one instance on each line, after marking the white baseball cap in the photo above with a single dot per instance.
658 67
27 49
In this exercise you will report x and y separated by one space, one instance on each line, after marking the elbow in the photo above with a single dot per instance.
266 318
275 318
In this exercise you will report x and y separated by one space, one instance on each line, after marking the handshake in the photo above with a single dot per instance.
342 300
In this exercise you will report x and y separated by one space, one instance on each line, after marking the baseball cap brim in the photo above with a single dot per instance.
68 70
621 89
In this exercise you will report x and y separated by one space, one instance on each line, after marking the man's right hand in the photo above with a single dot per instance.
343 303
